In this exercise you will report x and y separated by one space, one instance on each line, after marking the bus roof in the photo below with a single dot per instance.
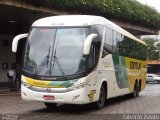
81 20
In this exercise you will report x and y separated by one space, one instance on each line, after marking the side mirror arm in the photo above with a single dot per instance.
87 43
16 40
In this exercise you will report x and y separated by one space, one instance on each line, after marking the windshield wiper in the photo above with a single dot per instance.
59 66
48 56
44 63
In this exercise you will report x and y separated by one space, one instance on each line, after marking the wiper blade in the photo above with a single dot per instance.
48 56
59 66
44 63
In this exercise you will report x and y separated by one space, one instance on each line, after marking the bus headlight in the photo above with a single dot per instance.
79 85
25 84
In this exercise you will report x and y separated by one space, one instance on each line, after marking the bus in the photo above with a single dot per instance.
80 59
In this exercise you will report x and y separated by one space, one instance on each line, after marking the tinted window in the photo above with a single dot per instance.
96 45
117 43
130 48
107 48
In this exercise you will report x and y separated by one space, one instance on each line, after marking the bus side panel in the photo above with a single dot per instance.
120 73
137 70
128 70
111 71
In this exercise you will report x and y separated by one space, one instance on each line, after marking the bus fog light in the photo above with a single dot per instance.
79 85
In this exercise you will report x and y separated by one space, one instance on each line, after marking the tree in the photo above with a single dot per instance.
127 10
151 49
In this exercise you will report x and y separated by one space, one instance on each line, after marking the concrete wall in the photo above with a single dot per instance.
6 56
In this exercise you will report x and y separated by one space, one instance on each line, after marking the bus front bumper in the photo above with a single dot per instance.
78 96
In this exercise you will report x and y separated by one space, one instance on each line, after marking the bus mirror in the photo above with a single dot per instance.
15 41
87 43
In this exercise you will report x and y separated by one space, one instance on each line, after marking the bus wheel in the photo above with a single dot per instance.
50 105
102 98
136 90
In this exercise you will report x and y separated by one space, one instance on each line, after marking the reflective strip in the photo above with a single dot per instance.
48 84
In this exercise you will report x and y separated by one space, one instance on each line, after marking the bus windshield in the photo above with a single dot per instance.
55 52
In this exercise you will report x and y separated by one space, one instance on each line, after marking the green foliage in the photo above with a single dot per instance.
151 49
129 10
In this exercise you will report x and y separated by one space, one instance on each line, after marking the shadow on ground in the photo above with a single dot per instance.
80 109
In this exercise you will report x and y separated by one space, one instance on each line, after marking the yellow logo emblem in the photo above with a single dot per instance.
91 95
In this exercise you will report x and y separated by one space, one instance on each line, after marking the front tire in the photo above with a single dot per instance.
50 105
102 98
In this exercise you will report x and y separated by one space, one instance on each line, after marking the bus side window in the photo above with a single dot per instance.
122 46
98 29
97 51
95 47
107 48
115 37
93 56
91 60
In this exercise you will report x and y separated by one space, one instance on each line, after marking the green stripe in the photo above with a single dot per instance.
62 83
120 71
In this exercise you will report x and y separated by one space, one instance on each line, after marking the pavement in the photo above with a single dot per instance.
8 91
146 106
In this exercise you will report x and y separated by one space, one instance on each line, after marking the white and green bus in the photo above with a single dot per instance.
80 59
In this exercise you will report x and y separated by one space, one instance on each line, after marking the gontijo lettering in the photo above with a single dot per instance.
135 65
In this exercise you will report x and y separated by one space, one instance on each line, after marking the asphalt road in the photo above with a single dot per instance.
146 106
